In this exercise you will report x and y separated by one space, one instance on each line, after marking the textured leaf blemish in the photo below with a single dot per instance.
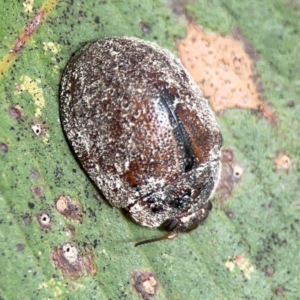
73 265
145 284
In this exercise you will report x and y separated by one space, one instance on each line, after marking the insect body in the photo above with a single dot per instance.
143 131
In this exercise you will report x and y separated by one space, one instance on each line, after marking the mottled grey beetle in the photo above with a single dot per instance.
143 131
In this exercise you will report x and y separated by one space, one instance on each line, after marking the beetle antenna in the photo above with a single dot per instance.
169 236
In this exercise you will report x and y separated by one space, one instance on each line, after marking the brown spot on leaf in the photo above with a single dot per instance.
69 208
34 173
279 291
229 214
72 264
291 104
222 68
37 191
145 284
70 230
44 220
282 162
145 28
269 271
230 174
3 148
15 112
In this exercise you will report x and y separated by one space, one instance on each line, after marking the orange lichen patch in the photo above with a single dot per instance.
25 35
282 162
222 69
73 265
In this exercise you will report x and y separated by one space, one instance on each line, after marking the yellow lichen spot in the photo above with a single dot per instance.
28 4
242 263
32 87
229 265
50 46
56 287
46 139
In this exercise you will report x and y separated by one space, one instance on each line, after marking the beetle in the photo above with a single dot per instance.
143 132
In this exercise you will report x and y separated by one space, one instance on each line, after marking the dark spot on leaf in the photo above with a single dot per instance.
99 198
291 104
19 247
92 214
31 205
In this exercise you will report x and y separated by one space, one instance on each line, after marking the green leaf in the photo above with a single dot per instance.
249 245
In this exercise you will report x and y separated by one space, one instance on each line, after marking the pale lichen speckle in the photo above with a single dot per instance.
55 286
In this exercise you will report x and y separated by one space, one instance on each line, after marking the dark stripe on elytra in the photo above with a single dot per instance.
181 136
